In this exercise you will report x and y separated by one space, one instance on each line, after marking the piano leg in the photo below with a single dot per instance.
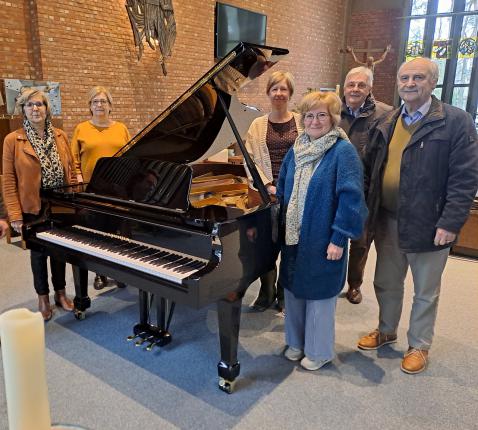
81 301
229 319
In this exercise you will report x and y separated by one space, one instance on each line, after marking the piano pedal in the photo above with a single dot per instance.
134 336
151 346
145 339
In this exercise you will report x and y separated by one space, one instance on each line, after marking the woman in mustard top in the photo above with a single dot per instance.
98 137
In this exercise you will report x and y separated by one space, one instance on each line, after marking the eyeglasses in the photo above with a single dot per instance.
321 116
99 102
30 105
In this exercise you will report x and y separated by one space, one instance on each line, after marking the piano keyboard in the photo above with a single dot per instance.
156 261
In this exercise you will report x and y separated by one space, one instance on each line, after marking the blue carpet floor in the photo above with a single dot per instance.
100 381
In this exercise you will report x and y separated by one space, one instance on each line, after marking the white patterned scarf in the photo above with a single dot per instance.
307 155
52 174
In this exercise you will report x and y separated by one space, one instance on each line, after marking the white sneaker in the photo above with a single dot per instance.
309 364
293 354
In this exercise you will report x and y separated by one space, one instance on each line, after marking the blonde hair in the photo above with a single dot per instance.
279 76
26 94
96 90
312 100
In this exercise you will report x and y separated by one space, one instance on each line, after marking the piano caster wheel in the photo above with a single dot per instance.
227 386
80 315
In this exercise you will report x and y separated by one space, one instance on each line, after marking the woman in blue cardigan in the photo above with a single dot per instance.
320 188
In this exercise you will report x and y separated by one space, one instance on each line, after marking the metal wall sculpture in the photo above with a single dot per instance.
153 20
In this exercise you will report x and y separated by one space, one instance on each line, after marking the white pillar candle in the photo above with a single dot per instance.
23 349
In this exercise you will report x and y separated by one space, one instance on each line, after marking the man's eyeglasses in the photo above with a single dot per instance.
99 102
321 116
30 105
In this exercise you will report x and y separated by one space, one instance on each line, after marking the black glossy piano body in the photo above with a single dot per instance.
133 222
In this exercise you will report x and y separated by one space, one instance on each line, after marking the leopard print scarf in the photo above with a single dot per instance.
52 174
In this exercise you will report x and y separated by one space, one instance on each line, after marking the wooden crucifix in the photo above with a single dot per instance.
370 61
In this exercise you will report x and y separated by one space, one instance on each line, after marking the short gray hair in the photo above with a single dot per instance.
364 70
432 67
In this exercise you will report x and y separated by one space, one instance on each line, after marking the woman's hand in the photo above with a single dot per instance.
334 252
271 189
3 228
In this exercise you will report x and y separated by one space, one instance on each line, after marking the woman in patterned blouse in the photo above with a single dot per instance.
268 140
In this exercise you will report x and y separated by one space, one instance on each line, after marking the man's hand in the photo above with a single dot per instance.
334 252
443 237
3 228
17 226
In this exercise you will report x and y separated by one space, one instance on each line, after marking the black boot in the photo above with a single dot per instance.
100 282
267 293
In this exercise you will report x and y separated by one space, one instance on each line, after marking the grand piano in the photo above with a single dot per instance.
136 221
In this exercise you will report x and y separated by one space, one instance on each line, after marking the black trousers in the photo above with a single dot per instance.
270 289
38 260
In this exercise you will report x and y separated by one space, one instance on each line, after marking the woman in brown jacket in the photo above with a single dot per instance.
3 215
37 156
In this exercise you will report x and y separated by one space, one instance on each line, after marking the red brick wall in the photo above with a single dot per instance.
81 44
380 27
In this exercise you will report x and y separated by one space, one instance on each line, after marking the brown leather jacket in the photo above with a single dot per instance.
3 214
22 172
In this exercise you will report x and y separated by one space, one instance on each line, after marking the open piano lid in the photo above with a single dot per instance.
194 125
152 169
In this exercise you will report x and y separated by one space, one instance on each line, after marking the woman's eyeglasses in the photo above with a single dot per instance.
99 102
30 105
321 116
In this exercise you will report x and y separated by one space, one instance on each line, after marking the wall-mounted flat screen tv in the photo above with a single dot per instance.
234 25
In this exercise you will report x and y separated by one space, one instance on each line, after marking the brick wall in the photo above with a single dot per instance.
377 28
81 44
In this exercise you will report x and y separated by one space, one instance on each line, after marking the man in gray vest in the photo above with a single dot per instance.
359 111
421 176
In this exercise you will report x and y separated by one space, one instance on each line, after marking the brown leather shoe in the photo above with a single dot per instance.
354 295
375 340
62 300
414 361
44 306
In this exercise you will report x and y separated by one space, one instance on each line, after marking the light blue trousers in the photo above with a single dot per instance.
310 326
